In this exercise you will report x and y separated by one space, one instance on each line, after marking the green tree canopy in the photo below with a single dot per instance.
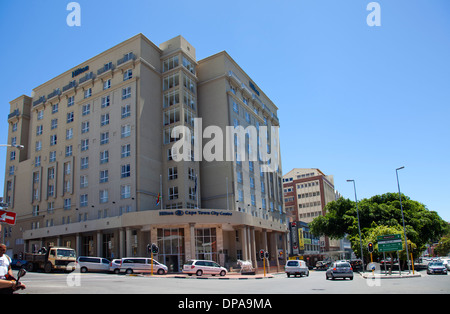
422 226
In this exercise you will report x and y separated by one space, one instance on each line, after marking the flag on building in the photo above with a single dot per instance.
158 199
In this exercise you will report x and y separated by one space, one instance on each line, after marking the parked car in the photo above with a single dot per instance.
114 266
436 268
18 263
322 265
296 267
132 265
446 263
340 270
200 267
88 263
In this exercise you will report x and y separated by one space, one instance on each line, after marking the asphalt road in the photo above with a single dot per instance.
97 283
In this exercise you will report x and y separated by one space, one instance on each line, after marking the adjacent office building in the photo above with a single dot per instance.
306 192
98 172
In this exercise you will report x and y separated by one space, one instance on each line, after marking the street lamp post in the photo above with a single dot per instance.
359 227
18 146
403 218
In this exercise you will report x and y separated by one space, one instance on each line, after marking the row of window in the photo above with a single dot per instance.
173 62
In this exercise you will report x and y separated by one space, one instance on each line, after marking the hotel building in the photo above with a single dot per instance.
98 155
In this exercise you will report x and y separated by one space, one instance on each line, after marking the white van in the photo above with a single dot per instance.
88 263
132 265
200 267
296 267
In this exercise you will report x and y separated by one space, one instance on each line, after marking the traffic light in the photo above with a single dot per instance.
152 248
261 254
155 249
370 247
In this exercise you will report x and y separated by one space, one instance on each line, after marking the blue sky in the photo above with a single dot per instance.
355 101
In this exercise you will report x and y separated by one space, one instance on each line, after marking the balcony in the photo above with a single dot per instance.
106 69
55 93
15 113
69 86
127 59
88 78
41 100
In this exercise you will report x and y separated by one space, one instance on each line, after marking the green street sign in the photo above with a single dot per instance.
390 242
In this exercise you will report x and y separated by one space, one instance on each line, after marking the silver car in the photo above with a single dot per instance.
436 268
340 270
296 267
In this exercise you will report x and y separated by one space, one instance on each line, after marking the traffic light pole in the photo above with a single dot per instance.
151 272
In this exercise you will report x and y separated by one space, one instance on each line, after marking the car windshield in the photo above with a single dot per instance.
188 263
437 264
342 265
65 253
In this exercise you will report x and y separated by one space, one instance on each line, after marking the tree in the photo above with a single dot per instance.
422 226
443 247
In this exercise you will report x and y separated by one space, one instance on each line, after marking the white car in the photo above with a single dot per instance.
88 263
296 267
114 266
200 267
132 265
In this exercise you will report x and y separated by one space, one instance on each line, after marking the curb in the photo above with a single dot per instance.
227 277
382 276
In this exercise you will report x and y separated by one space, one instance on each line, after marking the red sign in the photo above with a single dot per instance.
8 217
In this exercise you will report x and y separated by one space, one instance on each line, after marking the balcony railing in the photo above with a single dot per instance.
69 86
127 57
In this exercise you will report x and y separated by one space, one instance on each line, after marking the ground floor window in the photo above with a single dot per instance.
206 244
171 248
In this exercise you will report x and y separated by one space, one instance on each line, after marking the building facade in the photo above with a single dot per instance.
306 192
98 172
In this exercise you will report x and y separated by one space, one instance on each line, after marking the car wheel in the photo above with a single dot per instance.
223 273
129 271
351 278
288 275
160 271
117 271
199 272
48 267
83 270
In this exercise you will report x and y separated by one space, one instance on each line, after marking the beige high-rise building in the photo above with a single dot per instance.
98 155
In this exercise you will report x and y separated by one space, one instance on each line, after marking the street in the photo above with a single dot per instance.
98 283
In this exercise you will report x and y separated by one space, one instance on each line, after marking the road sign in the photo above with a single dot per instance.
7 217
390 242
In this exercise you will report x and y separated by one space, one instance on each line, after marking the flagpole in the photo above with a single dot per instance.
196 190
160 190
228 207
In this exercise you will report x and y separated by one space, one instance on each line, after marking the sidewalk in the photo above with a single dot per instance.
228 276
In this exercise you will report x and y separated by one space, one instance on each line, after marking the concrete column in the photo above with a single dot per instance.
253 247
128 241
192 240
99 244
121 243
77 244
244 237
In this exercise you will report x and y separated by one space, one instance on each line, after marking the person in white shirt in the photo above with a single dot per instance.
7 282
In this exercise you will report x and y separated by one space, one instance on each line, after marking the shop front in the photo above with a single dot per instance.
219 235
